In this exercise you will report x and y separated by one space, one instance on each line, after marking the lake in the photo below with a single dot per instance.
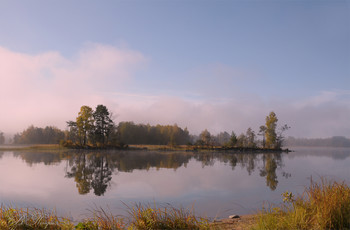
216 184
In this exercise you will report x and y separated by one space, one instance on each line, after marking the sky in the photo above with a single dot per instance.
220 65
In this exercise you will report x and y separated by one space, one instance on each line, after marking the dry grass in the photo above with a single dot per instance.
324 205
103 220
148 217
44 147
141 217
26 218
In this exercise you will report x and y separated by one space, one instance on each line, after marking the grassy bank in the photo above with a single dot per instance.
194 148
31 147
140 217
324 205
203 148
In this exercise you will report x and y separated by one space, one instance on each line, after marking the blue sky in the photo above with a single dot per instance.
221 65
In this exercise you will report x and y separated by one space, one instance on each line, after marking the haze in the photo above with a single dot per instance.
220 65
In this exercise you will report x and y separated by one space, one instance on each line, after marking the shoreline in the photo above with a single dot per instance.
186 148
239 223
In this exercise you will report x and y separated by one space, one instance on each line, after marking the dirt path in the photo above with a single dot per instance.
241 223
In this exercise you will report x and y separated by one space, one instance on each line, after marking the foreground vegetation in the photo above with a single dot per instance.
141 217
324 205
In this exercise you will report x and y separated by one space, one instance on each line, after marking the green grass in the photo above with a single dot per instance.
324 205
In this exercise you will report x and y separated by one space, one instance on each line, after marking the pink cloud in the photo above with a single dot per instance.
48 89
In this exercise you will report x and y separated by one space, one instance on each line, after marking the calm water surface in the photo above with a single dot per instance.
216 184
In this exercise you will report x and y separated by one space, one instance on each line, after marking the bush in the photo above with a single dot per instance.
67 144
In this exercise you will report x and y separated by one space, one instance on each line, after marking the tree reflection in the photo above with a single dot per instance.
271 177
270 164
48 158
249 161
82 173
92 171
102 175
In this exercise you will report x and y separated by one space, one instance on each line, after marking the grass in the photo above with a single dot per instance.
102 220
324 205
141 217
26 218
162 147
148 217
31 147
202 148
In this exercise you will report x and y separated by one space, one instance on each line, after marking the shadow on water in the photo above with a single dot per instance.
93 171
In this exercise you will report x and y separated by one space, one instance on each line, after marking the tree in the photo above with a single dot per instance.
85 124
262 132
233 139
2 138
250 137
241 141
103 124
270 133
223 138
280 137
72 133
205 136
131 133
35 135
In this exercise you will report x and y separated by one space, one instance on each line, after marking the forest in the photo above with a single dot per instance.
96 129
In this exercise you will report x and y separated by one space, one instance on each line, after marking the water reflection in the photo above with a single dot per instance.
92 171
249 161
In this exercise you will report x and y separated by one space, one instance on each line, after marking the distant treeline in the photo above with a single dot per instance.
96 128
336 141
125 132
35 135
131 133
